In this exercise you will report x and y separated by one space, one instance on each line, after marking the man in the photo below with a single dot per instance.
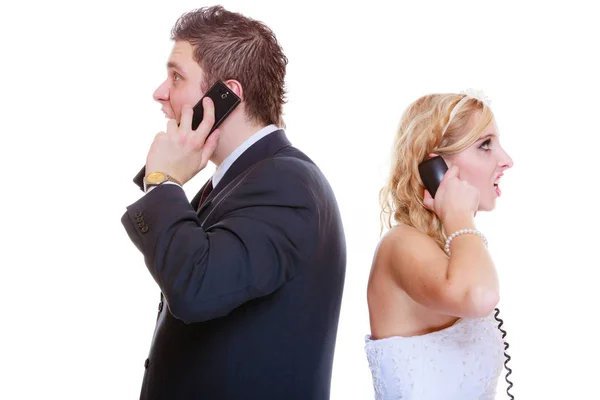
251 272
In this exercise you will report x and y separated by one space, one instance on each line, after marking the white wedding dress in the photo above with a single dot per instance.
461 362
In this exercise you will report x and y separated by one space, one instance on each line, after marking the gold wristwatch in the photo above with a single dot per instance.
157 178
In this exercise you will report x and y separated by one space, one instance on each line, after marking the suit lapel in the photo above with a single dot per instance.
264 148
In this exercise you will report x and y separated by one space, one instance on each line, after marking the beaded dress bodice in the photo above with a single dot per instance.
462 362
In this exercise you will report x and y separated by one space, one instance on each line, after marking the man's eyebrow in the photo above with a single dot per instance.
174 65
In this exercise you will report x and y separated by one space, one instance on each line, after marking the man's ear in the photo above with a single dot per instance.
236 87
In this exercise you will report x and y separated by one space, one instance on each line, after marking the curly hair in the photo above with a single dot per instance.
419 134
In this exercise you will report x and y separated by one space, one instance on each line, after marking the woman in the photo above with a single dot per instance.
433 286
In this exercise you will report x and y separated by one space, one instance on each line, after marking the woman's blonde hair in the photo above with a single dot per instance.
421 133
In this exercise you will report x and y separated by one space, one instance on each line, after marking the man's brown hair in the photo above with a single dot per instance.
228 45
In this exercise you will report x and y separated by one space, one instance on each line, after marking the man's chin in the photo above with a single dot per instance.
168 115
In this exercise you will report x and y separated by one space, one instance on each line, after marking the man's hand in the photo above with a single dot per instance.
183 152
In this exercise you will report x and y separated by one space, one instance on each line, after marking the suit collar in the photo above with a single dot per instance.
262 149
233 156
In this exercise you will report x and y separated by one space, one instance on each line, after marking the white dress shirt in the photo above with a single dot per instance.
234 155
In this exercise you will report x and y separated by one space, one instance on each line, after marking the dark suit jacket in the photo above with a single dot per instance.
251 284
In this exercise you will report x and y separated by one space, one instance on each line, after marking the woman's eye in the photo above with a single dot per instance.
486 145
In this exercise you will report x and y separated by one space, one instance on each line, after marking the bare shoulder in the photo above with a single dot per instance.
405 288
405 245
414 263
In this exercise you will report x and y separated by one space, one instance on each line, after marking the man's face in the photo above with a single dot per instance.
184 81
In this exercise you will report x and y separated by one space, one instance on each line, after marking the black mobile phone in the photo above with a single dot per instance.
432 172
224 100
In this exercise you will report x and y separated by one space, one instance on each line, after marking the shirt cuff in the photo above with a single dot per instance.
165 183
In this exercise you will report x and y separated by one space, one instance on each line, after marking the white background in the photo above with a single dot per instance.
79 305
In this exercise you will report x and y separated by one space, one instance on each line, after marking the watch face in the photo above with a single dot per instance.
156 177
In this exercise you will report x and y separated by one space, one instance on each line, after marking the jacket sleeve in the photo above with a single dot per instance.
268 227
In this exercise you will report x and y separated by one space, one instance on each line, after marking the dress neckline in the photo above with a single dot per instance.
442 331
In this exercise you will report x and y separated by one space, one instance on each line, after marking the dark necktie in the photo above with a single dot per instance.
207 189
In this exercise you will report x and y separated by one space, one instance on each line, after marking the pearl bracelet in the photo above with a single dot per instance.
462 232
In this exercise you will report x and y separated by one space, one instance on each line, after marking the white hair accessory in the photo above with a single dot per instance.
477 94
469 94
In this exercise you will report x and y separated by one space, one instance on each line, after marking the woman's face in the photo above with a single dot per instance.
482 165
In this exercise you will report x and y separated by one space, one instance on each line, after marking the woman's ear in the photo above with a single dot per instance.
446 159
